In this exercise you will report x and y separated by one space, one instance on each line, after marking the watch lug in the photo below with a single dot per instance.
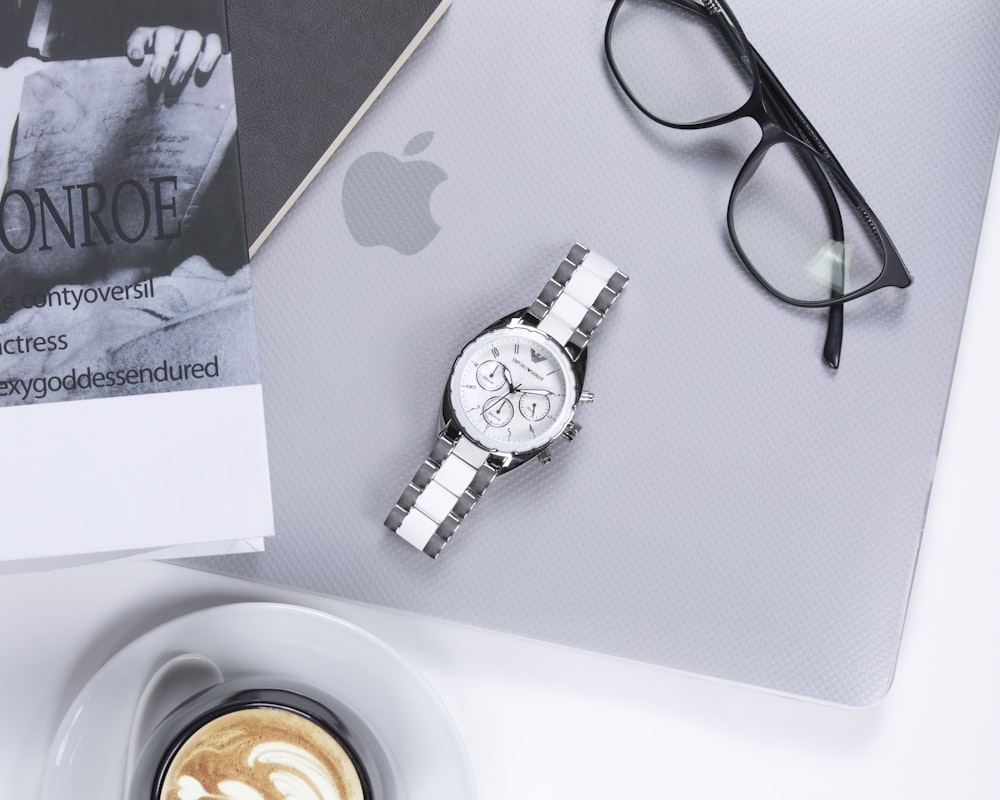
571 430
502 461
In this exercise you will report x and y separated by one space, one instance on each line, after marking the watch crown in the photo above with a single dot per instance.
586 397
545 456
571 430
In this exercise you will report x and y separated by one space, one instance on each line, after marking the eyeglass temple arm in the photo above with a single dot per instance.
785 109
732 32
782 105
780 102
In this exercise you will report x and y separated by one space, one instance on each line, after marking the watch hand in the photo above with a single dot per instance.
493 402
535 391
510 380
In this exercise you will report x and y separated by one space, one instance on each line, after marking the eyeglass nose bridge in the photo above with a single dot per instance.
772 134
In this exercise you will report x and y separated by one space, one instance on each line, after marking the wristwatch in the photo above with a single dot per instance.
513 391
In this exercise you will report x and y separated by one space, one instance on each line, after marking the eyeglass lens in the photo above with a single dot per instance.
676 63
792 220
799 230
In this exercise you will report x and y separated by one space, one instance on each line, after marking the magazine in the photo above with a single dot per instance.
130 402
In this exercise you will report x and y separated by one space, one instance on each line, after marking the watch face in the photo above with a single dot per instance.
513 389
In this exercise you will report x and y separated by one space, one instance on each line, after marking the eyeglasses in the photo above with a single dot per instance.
798 223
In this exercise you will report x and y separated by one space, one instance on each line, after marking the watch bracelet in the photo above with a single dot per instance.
442 492
573 303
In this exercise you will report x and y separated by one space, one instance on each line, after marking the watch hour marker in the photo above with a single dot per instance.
495 352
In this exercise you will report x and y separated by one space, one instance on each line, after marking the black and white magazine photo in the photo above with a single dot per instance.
122 246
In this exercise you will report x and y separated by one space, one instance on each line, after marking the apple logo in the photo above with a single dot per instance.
388 201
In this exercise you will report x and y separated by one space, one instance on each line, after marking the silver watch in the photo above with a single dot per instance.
513 391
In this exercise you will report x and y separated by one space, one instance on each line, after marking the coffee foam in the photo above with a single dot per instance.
261 754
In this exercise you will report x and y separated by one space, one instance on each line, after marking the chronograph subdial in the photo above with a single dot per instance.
491 375
534 405
498 411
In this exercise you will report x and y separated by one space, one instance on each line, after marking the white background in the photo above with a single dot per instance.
542 721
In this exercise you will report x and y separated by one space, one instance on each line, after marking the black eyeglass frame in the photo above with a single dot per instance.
773 131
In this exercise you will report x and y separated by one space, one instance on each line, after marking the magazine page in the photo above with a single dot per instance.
128 362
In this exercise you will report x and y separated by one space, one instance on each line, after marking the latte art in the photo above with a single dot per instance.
261 754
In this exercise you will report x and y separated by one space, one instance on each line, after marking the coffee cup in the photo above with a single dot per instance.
198 735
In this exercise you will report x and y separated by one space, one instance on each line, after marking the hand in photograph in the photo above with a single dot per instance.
177 53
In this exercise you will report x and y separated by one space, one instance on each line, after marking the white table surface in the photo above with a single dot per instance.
542 721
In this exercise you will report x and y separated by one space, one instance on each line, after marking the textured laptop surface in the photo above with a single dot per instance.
732 507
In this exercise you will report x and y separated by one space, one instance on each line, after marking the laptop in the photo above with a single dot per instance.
732 507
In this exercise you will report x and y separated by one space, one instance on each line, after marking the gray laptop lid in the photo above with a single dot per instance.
733 507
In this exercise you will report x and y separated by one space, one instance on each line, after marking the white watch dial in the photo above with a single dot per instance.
513 389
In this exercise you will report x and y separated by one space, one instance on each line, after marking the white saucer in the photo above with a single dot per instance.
86 760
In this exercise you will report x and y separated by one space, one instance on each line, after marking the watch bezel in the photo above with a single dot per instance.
518 453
